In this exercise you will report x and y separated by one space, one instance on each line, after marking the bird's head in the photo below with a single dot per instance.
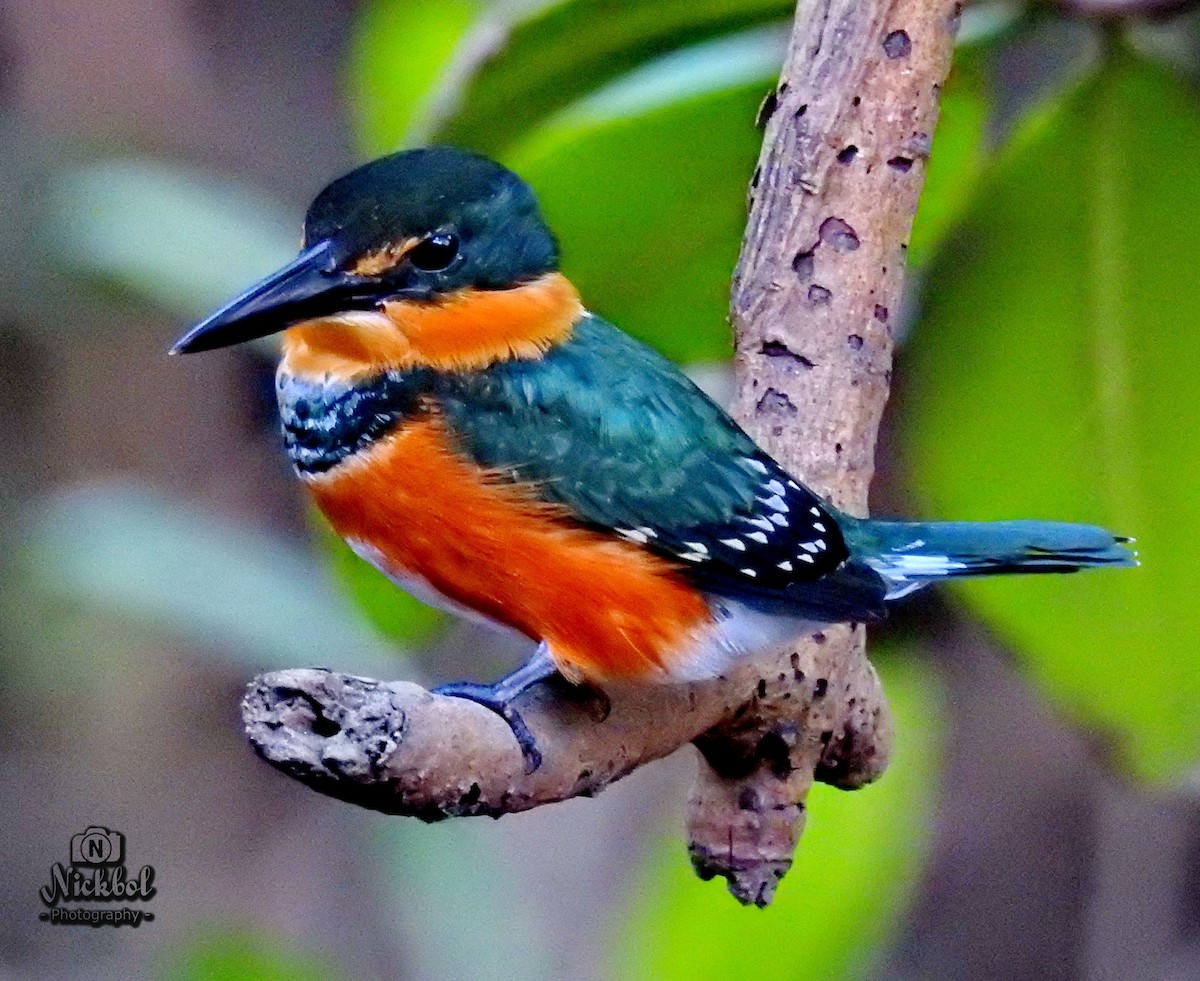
425 256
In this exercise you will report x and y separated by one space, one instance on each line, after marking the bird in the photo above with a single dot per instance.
490 444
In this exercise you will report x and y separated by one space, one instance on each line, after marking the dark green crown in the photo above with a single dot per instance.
486 209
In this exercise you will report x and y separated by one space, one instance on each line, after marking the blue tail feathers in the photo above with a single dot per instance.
910 554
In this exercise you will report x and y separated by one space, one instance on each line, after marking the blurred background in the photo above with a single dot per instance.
1041 819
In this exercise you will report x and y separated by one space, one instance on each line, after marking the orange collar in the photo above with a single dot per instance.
466 330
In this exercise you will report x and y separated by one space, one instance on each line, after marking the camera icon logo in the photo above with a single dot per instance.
97 846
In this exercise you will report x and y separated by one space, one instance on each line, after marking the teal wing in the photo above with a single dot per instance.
616 433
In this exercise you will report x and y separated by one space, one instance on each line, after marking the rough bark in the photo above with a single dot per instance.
817 290
848 131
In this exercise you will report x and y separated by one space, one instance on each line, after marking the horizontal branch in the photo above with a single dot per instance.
397 748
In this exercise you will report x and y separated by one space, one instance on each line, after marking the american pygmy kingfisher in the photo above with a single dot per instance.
476 433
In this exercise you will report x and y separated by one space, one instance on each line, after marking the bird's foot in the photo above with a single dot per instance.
485 695
499 698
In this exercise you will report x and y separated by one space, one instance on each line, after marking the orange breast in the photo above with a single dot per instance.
606 608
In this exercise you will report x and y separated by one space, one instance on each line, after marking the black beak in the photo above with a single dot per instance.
309 286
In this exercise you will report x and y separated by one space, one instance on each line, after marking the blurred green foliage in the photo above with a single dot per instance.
234 953
488 923
512 73
1069 314
649 174
399 56
960 153
240 590
595 104
181 239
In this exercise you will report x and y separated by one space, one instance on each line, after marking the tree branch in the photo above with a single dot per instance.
816 292
847 136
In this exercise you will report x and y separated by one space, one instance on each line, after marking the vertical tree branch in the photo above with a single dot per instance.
817 289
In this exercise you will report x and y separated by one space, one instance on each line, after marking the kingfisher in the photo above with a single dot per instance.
477 434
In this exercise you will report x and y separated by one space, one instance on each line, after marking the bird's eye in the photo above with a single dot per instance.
434 251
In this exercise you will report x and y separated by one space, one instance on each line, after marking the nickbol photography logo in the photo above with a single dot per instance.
96 876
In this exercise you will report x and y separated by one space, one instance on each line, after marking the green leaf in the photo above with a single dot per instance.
182 240
1052 376
422 72
959 156
234 953
991 21
645 183
961 153
237 588
514 75
854 875
401 50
